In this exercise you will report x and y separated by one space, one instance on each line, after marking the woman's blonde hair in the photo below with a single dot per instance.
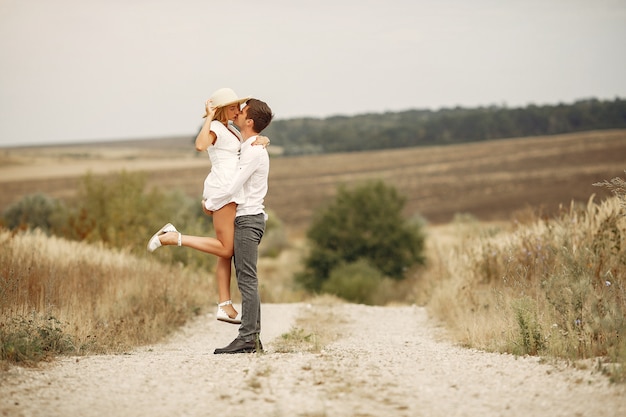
220 115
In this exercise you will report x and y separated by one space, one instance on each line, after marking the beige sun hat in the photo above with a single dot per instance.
225 97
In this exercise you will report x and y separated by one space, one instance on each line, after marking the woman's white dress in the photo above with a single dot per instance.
224 156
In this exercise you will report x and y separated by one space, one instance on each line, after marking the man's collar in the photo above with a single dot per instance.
252 134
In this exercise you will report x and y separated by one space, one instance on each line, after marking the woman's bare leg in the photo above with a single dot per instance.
222 275
224 224
205 244
221 246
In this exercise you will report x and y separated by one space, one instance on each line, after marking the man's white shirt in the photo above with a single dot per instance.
251 175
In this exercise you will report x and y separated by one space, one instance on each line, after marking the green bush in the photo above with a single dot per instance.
120 212
364 223
115 211
36 211
357 282
30 339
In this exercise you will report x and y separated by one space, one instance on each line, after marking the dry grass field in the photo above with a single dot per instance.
490 180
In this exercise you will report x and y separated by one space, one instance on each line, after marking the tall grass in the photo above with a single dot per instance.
65 296
62 296
92 287
553 287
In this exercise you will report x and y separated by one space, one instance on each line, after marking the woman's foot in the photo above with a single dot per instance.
226 312
170 238
167 235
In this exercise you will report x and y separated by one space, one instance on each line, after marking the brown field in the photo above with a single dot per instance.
490 180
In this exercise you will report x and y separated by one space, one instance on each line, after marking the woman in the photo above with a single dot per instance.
222 142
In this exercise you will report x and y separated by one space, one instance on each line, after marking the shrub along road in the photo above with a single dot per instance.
390 361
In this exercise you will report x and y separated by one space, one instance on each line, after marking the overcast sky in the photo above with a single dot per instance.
81 70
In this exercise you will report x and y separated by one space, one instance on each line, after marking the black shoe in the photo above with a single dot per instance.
240 346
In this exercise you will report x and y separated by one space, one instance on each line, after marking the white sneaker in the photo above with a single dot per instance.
154 241
223 316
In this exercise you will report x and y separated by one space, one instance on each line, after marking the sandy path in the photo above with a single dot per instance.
385 361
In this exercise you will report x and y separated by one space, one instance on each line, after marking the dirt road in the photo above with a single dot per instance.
383 361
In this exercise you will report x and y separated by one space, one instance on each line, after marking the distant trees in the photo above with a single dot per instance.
445 126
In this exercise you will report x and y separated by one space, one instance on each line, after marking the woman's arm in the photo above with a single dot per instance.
206 137
261 140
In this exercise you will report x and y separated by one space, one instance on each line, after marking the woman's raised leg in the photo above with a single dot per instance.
221 246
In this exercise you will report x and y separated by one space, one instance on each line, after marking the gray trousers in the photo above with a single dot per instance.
248 233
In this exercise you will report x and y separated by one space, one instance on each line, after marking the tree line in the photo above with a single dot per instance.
441 127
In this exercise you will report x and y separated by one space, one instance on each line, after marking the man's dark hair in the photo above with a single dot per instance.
260 113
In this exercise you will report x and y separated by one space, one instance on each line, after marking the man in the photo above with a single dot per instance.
252 176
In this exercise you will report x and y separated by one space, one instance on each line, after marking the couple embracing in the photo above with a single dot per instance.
234 192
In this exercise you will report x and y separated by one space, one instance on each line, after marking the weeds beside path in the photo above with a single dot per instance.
364 361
